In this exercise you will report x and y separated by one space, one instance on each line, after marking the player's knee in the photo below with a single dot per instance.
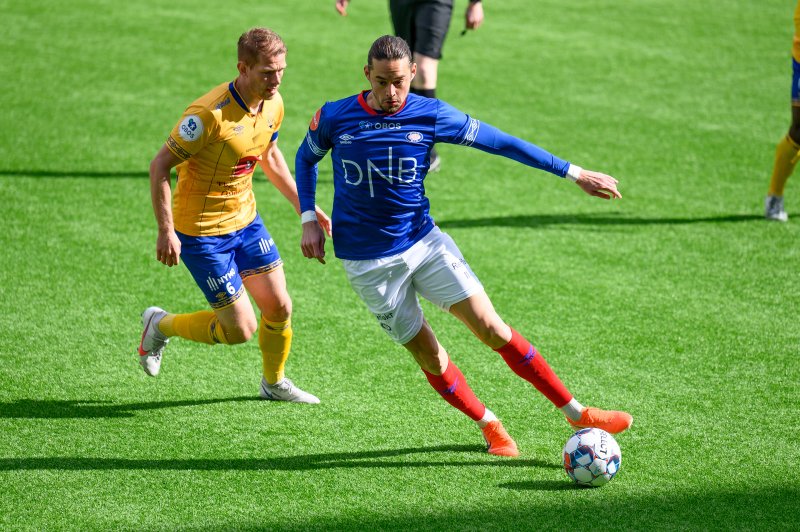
426 77
490 332
241 332
279 311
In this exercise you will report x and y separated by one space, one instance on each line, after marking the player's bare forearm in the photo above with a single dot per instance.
598 184
168 247
160 189
277 171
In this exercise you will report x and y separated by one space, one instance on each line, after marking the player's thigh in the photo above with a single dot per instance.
238 320
261 269
211 262
385 286
270 294
443 276
431 22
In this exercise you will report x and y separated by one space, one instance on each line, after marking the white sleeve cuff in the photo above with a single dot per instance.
308 216
573 172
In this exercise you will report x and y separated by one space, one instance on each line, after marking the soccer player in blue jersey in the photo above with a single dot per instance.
423 24
380 142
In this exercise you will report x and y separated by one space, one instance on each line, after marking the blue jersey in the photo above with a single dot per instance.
379 166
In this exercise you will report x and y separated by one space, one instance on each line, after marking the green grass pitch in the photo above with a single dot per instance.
678 303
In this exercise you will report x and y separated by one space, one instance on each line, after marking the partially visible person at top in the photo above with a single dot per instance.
788 151
212 222
423 24
392 251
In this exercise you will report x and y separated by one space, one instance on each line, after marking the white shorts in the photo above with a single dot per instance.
433 268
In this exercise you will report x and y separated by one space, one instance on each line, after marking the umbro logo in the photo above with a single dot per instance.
346 139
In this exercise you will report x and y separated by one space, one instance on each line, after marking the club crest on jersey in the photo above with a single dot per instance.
191 128
414 136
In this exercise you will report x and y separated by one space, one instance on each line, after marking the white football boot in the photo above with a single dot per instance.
773 209
285 390
153 341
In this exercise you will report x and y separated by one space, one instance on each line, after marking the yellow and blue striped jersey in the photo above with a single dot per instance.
220 141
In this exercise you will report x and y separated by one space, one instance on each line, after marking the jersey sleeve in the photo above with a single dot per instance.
455 127
195 130
312 150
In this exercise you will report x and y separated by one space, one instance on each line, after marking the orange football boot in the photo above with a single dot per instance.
612 421
498 440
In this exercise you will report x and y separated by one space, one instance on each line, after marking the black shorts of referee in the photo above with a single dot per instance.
423 24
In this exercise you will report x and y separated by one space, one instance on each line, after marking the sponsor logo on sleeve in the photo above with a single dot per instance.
191 128
315 120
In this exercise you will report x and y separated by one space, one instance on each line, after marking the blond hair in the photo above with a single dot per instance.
259 41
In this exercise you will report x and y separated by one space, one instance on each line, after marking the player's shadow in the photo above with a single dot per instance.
405 458
542 220
51 409
73 173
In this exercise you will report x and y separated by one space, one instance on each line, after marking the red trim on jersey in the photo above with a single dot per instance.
362 100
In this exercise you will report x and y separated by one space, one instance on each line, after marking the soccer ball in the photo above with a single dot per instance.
592 457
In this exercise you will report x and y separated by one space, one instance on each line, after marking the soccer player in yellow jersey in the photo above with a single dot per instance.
212 222
788 151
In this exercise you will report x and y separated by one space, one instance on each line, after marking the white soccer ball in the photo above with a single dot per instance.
592 457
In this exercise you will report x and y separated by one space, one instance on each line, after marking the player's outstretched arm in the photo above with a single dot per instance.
277 171
341 7
168 247
598 184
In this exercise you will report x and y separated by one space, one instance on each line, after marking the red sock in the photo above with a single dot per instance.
526 362
453 387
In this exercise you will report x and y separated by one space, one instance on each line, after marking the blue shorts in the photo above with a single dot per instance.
219 263
795 83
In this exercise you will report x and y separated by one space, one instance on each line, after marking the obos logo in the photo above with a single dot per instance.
414 136
364 124
191 128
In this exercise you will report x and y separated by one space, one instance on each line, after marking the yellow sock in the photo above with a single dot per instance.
275 340
786 155
201 326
